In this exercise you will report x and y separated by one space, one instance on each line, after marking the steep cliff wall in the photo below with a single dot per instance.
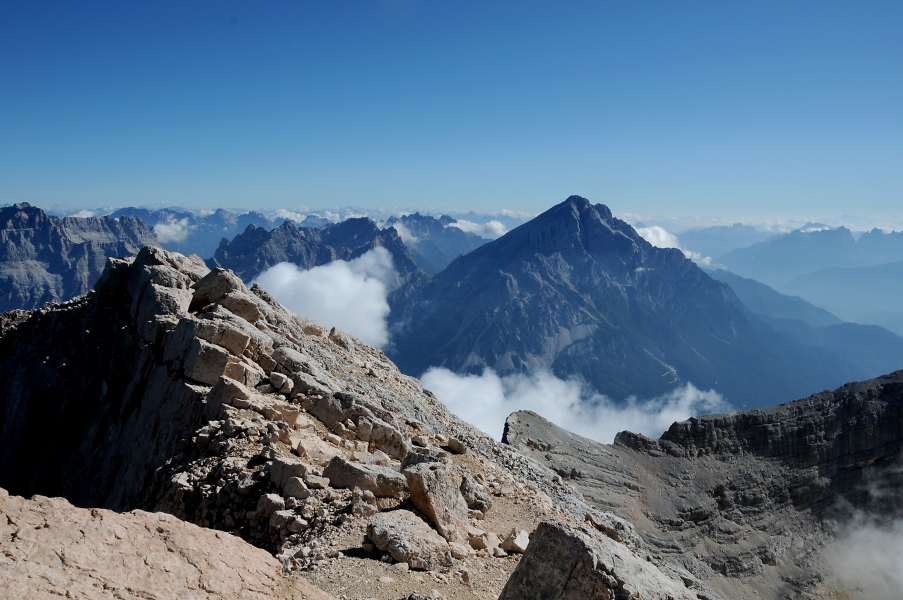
44 258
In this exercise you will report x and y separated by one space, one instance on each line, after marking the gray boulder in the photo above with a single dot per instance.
569 564
383 482
435 491
408 539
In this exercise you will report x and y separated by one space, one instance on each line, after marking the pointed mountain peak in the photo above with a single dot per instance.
577 205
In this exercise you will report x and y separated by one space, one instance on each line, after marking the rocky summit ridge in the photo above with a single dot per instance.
175 389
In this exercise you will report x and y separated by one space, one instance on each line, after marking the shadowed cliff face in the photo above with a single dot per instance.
580 293
752 495
44 258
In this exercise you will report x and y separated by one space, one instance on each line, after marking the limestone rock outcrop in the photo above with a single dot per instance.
51 549
409 540
175 388
569 564
752 496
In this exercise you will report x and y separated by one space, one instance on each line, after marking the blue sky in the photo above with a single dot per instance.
740 110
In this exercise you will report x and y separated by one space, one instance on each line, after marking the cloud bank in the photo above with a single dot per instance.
661 238
491 230
348 295
172 230
284 214
867 559
486 400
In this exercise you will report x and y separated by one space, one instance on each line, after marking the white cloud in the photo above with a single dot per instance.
405 234
491 230
867 559
84 214
206 212
518 214
661 238
486 400
658 237
172 230
290 215
348 295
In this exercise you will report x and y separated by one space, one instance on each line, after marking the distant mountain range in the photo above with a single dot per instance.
721 239
861 294
257 249
434 243
875 349
780 259
45 258
189 233
857 279
579 292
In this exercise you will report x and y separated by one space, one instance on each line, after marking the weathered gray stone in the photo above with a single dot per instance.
283 468
568 564
482 540
296 488
516 542
436 492
474 494
214 286
383 482
408 539
51 549
269 504
242 305
363 503
456 446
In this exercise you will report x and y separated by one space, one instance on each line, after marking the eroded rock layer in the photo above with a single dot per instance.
742 505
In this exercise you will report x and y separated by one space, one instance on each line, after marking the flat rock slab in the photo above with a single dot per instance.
408 539
51 549
384 482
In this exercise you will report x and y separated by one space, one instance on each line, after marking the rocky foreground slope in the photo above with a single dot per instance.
173 388
51 549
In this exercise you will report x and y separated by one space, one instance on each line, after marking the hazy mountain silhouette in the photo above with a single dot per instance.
721 239
876 349
433 242
809 249
189 233
862 294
